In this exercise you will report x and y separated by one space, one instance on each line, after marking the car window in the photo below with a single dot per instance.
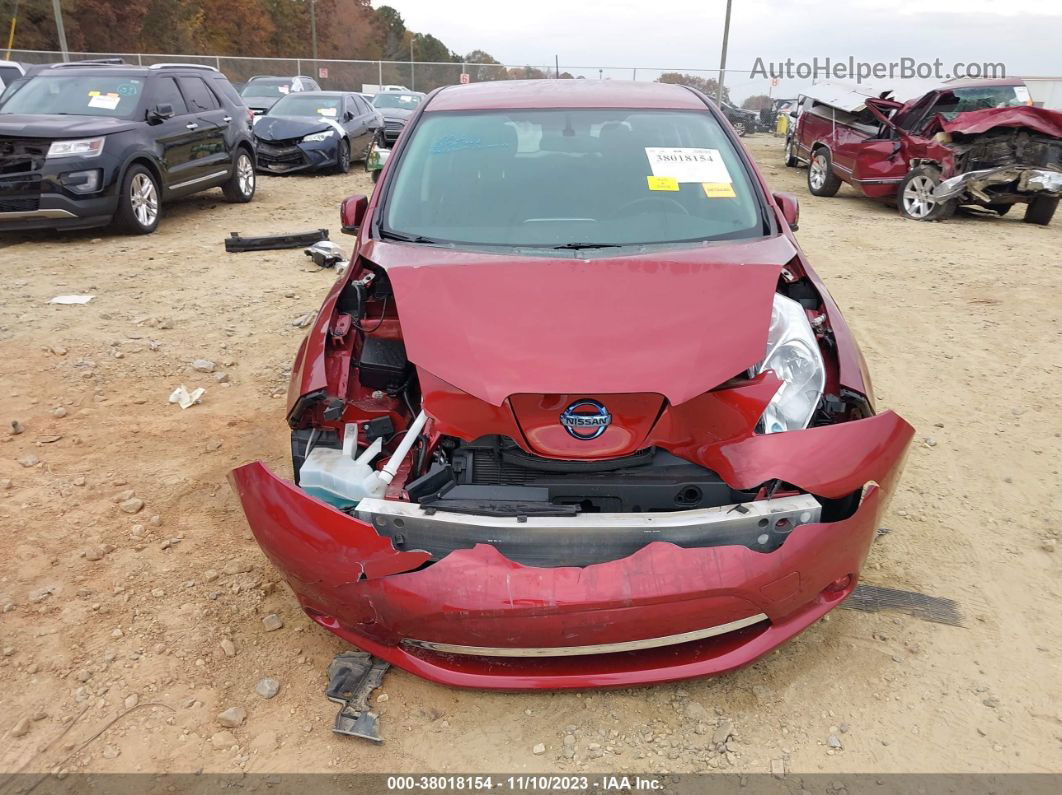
77 95
198 95
963 100
358 105
9 74
554 177
404 101
167 93
299 104
268 87
227 90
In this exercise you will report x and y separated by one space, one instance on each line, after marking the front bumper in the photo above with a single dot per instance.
287 158
653 616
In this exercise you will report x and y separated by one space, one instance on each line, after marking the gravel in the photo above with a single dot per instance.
272 622
267 688
232 717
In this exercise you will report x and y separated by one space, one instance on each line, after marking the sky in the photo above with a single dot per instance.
683 35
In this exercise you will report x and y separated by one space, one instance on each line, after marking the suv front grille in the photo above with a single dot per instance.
22 155
19 205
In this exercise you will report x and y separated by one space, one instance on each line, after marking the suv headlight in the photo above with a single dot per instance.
321 136
793 354
85 147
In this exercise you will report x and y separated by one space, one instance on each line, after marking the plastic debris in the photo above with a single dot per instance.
71 299
185 399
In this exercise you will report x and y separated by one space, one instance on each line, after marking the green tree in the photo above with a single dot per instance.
757 102
706 85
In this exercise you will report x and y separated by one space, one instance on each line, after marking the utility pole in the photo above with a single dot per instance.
313 30
722 57
412 73
60 29
556 66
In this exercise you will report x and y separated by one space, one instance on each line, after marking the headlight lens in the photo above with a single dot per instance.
793 354
86 147
321 136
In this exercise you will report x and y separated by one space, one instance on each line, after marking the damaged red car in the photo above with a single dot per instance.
968 143
579 413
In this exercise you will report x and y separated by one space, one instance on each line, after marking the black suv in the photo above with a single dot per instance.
85 145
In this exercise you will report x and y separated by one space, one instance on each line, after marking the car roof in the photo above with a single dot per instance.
320 93
970 83
128 70
254 78
514 94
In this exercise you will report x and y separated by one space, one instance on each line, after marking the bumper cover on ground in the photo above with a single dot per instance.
352 581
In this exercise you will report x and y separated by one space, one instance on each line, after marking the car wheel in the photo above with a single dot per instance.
739 128
343 157
241 185
915 196
139 203
1040 210
821 179
790 158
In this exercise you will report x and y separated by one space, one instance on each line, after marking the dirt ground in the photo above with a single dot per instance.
143 627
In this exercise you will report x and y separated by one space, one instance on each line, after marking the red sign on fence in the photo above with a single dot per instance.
322 72
464 78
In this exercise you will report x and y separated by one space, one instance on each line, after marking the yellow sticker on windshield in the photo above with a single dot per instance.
718 190
662 183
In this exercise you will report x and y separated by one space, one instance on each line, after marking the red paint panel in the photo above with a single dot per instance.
1042 120
676 323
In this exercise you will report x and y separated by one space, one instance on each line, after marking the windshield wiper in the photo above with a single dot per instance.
406 238
577 246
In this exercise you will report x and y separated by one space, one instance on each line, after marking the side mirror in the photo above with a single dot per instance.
348 116
352 213
790 208
161 112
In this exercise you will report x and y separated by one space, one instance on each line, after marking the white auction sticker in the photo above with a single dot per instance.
687 165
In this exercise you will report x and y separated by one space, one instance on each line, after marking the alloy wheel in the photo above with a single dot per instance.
817 174
245 175
918 201
144 200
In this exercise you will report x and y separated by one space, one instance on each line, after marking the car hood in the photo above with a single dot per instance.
61 126
395 114
1042 120
281 128
674 323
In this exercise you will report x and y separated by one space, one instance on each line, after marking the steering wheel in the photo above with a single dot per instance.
626 208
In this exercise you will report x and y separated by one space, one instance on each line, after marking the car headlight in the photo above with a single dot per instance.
85 147
793 354
321 136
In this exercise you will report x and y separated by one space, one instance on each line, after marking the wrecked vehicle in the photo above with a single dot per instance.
611 435
974 144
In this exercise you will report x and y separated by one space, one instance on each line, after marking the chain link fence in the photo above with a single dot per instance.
351 75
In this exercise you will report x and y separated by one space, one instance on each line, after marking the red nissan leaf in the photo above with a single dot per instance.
579 413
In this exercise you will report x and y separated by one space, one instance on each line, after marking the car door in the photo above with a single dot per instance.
358 121
211 160
175 136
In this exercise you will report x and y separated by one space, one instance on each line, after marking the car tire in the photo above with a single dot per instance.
914 198
791 160
139 202
343 156
821 179
1040 210
739 128
241 185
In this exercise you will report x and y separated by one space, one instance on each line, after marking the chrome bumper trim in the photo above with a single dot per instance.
601 648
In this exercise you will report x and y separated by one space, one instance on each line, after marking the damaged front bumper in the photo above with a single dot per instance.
476 618
975 183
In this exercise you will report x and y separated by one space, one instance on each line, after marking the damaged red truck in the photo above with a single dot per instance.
579 413
967 143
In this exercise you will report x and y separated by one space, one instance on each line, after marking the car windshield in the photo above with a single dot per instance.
266 88
962 100
405 101
306 105
571 179
80 95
